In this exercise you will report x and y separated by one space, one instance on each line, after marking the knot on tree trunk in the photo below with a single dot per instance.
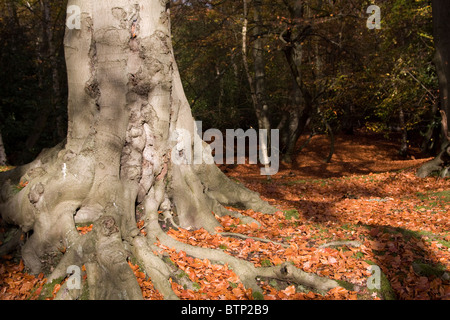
36 193
108 226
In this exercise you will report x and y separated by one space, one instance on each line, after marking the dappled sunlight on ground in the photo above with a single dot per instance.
366 195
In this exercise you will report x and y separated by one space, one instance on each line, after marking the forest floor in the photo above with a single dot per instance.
367 196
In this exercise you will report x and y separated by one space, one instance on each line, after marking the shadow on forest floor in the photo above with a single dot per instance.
407 219
365 194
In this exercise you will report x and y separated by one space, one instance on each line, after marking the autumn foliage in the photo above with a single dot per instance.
391 219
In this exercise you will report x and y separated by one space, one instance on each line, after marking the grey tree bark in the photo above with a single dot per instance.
257 82
125 157
262 108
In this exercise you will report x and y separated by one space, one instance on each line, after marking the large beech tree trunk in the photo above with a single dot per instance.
128 153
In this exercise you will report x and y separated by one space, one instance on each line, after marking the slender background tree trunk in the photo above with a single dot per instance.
2 152
303 102
441 26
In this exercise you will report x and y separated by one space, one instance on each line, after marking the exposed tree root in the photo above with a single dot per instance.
341 243
187 196
243 236
129 145
113 241
246 271
440 164
289 272
155 267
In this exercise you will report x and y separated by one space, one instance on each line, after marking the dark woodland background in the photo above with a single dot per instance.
308 67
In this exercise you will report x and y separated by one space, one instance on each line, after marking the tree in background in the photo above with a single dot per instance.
206 42
382 80
2 152
377 80
132 153
441 24
32 75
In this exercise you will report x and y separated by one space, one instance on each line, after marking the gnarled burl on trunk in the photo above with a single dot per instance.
126 109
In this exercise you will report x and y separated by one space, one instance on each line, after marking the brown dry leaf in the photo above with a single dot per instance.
289 290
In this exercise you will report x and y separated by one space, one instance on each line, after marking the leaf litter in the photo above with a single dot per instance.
400 221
